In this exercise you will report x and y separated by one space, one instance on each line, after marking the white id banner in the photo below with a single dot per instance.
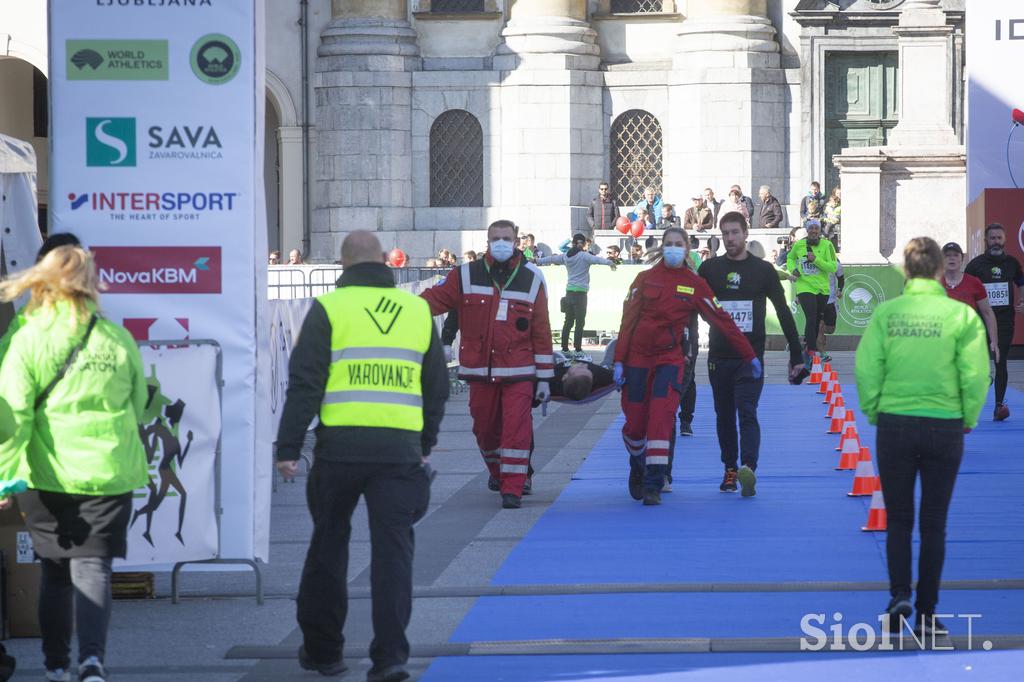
174 517
156 115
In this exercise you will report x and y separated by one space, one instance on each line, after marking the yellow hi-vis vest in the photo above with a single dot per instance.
378 339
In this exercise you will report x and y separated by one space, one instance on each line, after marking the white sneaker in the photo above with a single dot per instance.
666 487
58 675
91 670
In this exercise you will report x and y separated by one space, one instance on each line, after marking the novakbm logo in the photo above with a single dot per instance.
110 143
159 269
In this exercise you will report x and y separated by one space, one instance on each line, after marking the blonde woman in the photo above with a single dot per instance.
75 385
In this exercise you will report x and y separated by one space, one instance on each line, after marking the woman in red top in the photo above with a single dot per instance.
968 289
649 357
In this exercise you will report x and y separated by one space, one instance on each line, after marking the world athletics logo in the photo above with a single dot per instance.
864 294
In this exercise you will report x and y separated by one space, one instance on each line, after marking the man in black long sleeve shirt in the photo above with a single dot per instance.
359 372
742 284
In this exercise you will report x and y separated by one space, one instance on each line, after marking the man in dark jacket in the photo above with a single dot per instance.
379 387
603 211
770 216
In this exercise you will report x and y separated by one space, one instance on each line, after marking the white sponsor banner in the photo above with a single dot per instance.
156 109
174 518
995 48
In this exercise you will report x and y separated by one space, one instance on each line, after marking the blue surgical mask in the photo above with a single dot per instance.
501 250
674 255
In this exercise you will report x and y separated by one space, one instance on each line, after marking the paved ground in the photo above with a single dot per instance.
462 543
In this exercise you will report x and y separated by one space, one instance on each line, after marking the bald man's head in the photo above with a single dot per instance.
360 247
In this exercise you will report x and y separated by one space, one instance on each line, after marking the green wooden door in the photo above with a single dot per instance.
861 106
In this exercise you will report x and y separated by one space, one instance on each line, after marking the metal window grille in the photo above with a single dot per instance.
456 160
636 156
456 6
637 6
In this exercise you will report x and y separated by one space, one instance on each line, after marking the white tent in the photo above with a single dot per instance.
19 223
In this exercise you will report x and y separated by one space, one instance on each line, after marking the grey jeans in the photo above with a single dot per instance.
74 595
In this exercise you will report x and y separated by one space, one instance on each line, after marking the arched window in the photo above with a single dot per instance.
636 155
636 6
456 160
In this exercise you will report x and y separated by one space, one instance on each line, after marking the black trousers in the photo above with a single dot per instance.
1005 336
906 447
814 306
688 387
397 496
575 310
736 393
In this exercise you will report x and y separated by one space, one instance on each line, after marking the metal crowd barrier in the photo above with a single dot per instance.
304 281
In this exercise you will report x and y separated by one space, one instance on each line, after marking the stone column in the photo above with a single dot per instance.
289 158
728 97
551 117
363 84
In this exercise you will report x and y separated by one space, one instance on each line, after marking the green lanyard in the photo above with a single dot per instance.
510 277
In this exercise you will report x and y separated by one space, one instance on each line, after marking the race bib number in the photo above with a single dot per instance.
742 313
998 293
810 268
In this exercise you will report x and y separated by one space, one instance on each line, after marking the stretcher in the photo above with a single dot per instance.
594 395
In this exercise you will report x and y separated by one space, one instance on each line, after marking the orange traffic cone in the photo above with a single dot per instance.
836 427
865 454
864 481
837 407
826 377
877 518
826 368
849 429
850 454
815 377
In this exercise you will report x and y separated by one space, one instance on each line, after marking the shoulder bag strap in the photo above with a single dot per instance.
41 398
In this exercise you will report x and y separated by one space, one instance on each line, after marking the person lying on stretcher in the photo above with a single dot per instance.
581 381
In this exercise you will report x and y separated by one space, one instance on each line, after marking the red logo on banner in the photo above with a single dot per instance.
159 269
158 329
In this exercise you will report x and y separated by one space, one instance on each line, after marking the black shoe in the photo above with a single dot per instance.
493 484
685 429
636 478
728 484
927 625
392 673
898 610
325 669
652 498
91 670
509 501
528 486
747 480
1001 413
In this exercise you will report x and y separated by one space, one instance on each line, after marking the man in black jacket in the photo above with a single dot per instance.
603 211
357 380
770 216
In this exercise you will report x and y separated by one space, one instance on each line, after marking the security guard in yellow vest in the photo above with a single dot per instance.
369 363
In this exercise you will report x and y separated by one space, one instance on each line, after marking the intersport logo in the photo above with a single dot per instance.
159 269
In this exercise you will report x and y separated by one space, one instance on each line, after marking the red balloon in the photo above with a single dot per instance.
622 224
638 228
396 258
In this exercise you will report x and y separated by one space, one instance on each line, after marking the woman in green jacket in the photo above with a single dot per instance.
75 385
922 376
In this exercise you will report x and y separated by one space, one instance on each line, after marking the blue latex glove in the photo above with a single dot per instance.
617 374
756 370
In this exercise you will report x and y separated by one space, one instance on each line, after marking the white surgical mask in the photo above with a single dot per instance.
501 250
674 255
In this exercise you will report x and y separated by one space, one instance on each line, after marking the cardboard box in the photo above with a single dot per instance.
21 576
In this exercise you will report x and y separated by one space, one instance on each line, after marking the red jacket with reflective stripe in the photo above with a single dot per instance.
658 309
506 334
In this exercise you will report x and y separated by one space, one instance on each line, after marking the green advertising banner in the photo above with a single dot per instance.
866 287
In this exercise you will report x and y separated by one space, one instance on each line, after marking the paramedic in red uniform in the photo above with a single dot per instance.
505 353
649 358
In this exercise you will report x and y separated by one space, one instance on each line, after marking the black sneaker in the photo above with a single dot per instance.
747 480
392 673
510 501
728 484
325 669
528 486
927 625
685 429
493 484
898 610
652 498
91 670
636 478
1001 413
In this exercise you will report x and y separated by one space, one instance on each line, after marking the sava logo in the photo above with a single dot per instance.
187 143
111 142
159 269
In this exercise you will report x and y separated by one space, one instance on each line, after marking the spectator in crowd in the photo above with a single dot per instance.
636 254
76 443
603 211
770 216
747 202
712 203
614 254
734 203
649 203
698 217
274 258
832 217
813 203
530 247
469 256
294 257
668 217
648 219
